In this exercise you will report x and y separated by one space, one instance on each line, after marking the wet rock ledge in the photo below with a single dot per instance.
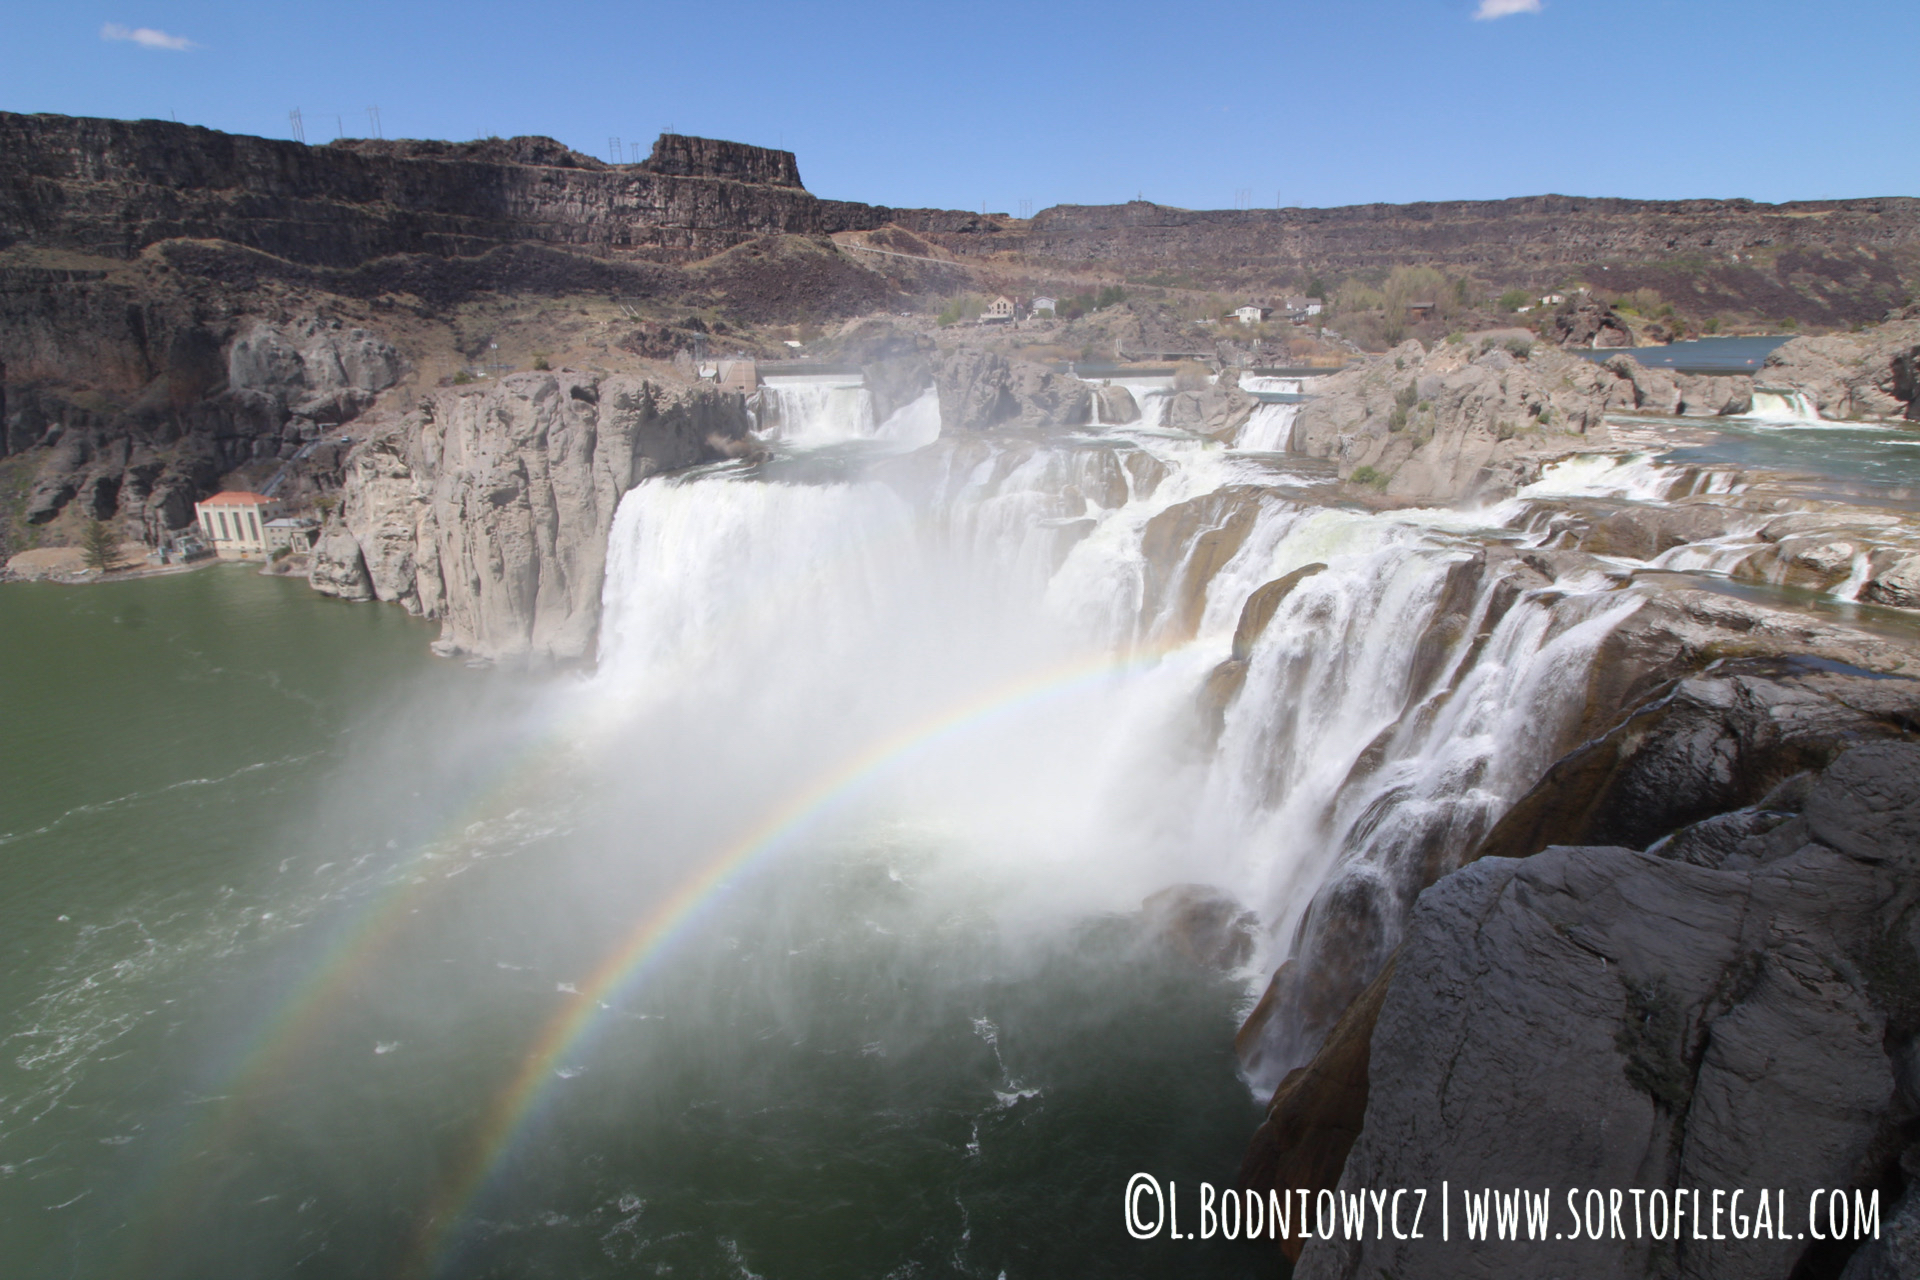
1689 958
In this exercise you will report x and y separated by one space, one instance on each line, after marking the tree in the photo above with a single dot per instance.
99 545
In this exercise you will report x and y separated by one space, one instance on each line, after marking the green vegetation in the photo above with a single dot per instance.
1521 348
1081 304
1369 476
1514 299
99 545
540 362
1402 404
462 378
965 307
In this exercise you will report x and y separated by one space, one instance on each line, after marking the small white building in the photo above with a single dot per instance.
1300 310
1048 305
1552 299
294 533
235 523
999 311
1251 314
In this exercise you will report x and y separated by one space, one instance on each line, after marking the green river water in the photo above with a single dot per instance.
285 902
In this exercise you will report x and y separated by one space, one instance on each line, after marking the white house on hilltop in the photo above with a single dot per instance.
1251 314
999 311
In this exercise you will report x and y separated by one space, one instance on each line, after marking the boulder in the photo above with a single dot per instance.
1115 405
1202 923
1219 410
1585 321
338 568
983 390
1599 1017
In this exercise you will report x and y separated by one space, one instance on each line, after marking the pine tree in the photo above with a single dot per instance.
99 546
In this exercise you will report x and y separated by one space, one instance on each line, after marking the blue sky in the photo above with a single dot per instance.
952 105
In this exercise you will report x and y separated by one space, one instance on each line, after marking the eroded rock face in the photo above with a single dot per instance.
983 390
1860 375
1590 323
490 510
1603 1017
1466 419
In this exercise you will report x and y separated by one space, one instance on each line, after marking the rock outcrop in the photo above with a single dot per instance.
489 510
1601 1017
984 390
113 187
1467 419
1870 374
1588 322
1716 980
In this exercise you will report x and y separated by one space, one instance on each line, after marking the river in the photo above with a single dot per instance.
287 902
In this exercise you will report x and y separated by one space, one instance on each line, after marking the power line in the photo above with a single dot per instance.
299 126
373 118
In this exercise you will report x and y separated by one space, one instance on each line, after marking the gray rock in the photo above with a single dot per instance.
1596 1017
1116 405
1859 375
489 509
983 390
338 568
1490 418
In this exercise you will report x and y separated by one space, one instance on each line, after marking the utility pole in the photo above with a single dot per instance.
299 127
613 149
373 118
339 127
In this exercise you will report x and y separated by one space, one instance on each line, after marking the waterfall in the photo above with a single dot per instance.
816 410
1269 430
1414 682
1782 406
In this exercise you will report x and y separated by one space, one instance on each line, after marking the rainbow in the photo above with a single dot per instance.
515 1105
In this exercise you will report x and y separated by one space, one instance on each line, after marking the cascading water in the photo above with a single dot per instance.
803 936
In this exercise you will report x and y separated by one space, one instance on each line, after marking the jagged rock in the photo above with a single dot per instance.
1316 1113
338 568
983 390
1587 322
1260 607
316 367
1184 546
1115 405
1487 415
1704 395
489 510
1219 411
1601 1017
1895 579
1202 923
1713 743
1860 375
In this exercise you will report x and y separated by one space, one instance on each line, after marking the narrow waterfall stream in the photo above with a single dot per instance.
803 936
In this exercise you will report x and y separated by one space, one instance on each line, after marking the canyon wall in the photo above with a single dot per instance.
113 187
488 509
